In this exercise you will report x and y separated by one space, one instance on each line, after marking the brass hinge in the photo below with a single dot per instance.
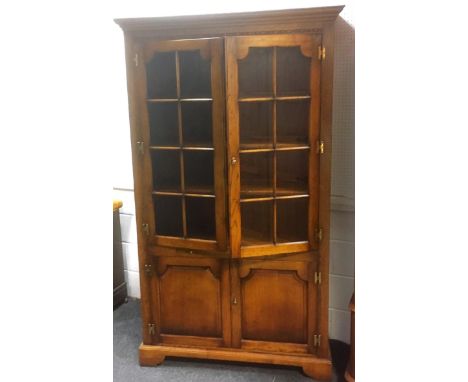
136 59
319 234
146 228
148 270
321 53
141 147
152 329
317 340
318 277
320 147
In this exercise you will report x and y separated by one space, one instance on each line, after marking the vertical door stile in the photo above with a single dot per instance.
275 211
219 139
181 144
314 157
233 146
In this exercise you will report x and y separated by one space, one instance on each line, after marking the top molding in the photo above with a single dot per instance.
291 20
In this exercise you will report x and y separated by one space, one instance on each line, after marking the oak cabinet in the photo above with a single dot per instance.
230 121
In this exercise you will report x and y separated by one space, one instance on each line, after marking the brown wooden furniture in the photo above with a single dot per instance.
231 135
120 286
349 375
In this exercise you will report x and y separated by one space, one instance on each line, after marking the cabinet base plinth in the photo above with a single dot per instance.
317 368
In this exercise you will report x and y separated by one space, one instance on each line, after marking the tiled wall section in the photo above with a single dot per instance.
342 217
129 241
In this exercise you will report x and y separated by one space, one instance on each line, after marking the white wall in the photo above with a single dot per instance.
342 217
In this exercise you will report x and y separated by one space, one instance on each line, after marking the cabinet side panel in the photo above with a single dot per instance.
325 185
132 88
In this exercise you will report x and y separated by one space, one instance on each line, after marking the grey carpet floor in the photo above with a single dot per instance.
126 368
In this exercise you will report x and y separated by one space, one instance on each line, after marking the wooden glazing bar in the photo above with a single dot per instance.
196 148
279 147
167 193
173 193
193 148
162 100
181 143
275 212
297 196
292 98
196 99
259 150
200 195
274 98
164 147
259 199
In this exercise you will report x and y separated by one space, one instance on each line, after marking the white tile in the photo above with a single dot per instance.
130 255
342 226
127 198
339 325
128 228
341 290
133 284
342 258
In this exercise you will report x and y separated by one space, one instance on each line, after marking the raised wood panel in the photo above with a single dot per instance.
274 306
190 300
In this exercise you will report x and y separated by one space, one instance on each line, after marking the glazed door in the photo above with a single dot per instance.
181 90
273 132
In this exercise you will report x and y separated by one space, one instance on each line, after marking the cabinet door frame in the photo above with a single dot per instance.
237 47
209 49
219 269
304 265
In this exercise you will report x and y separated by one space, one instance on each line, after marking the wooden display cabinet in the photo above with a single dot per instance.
230 121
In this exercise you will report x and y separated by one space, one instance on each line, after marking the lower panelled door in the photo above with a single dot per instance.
274 305
191 301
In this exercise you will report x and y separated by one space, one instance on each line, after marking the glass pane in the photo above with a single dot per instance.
200 217
163 122
292 122
257 223
195 75
168 215
293 72
199 172
166 170
197 124
292 219
292 172
255 73
256 174
161 76
255 120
